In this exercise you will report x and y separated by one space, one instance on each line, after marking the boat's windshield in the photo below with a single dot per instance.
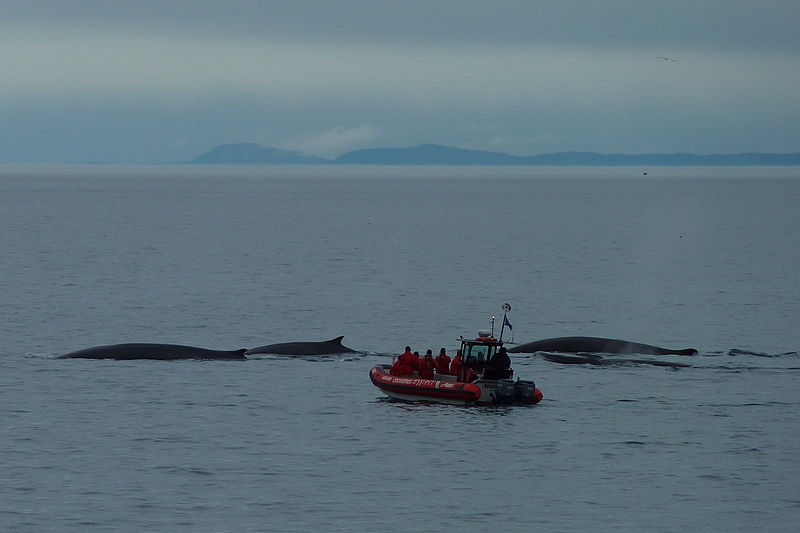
481 352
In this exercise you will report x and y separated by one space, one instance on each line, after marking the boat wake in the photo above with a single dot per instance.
734 352
732 360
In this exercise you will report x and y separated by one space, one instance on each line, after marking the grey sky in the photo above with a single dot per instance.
157 81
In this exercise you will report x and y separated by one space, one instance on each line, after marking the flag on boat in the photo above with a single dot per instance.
506 322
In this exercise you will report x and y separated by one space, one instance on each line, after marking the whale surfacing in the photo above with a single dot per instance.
596 345
162 352
333 346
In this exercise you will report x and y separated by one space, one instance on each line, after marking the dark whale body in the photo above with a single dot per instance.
595 345
332 346
163 352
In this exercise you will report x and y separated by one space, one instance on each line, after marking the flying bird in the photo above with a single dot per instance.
666 58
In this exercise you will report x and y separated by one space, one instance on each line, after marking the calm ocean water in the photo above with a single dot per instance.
236 257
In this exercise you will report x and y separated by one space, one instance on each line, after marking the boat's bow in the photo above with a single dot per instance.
416 389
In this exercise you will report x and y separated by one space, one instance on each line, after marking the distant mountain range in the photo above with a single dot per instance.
434 154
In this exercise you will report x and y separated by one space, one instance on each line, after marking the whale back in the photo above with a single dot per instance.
162 352
333 346
596 345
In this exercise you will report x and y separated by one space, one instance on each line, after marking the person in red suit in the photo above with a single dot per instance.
405 364
455 365
417 360
442 362
426 366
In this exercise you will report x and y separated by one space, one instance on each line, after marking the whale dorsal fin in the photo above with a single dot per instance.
337 340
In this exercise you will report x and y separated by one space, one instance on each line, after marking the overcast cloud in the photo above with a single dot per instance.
164 81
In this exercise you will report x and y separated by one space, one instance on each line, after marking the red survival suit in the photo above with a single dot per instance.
405 364
426 367
455 366
442 363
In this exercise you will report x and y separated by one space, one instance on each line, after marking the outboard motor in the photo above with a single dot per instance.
504 392
525 391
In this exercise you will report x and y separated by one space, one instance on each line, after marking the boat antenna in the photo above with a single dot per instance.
506 308
492 335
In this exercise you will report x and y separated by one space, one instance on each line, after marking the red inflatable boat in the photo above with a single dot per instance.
446 388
